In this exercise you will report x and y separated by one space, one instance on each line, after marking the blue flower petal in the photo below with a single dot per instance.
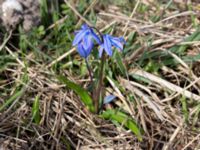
108 42
107 45
101 50
87 42
122 40
88 45
81 50
79 36
96 38
109 99
84 39
117 43
84 27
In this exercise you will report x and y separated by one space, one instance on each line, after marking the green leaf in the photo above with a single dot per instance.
190 59
6 61
196 115
123 119
193 37
85 97
140 78
153 67
44 12
185 109
36 110
120 63
16 95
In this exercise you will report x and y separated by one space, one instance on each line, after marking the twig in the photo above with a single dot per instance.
62 57
133 12
18 60
87 10
147 99
6 40
77 13
166 84
60 21
167 146
194 139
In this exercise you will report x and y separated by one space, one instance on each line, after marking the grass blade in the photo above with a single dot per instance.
123 119
16 95
120 63
185 109
36 110
181 49
85 97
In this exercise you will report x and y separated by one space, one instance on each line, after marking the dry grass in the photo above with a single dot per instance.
159 97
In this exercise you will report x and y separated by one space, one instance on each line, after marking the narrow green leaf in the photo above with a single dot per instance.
20 89
196 115
140 78
190 59
123 119
85 97
44 11
36 110
193 37
153 67
16 95
120 63
185 109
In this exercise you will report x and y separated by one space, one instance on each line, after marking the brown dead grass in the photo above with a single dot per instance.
66 122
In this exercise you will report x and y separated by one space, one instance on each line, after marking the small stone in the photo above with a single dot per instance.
15 12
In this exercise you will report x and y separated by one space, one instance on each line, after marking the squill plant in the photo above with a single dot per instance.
84 41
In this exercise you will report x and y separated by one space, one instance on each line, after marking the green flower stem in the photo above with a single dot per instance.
89 70
98 92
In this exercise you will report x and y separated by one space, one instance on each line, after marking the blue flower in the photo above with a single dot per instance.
83 50
84 39
108 42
